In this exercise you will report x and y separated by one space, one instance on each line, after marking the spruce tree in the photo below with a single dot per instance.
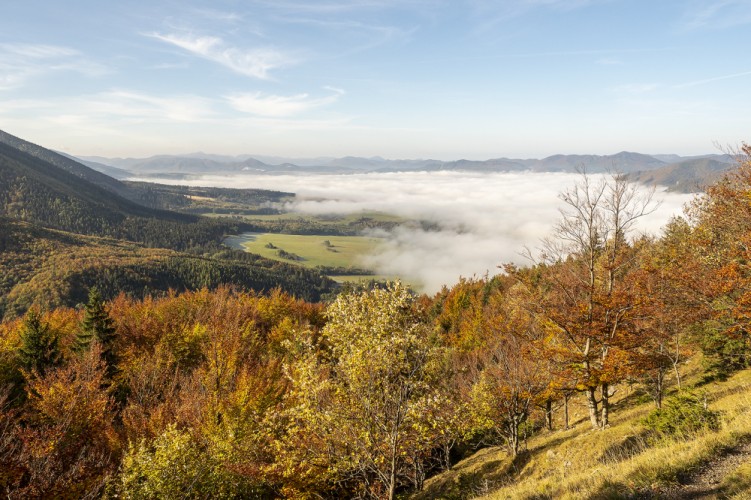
98 325
39 345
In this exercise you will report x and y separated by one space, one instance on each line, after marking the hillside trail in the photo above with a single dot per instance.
705 482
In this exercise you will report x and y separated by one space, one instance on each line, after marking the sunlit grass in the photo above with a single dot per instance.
621 461
313 250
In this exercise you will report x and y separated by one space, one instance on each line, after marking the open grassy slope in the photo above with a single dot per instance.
312 250
618 462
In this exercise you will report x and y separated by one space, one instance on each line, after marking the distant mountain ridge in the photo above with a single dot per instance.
684 172
201 163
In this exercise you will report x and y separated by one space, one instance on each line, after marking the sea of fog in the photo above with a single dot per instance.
483 220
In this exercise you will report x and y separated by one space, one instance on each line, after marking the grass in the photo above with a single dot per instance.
618 462
737 484
341 251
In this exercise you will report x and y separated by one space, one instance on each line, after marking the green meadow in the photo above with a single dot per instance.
309 250
337 255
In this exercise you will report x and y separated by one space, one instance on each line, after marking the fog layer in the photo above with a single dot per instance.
479 221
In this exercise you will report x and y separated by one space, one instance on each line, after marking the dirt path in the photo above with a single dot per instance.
704 483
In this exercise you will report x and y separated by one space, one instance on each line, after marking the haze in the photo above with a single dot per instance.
482 220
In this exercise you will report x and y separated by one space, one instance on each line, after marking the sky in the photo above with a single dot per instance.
443 79
478 220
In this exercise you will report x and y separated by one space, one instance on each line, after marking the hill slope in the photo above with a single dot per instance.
34 190
688 176
64 228
618 462
63 163
56 268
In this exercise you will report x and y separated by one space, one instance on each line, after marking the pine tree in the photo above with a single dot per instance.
98 325
39 344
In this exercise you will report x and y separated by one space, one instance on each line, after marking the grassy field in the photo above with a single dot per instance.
312 250
333 242
617 462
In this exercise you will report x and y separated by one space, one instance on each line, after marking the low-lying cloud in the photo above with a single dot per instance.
478 221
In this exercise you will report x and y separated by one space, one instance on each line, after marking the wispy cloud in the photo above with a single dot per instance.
343 6
114 106
134 105
374 35
259 104
218 15
636 88
124 108
609 61
492 12
713 79
19 62
256 63
715 14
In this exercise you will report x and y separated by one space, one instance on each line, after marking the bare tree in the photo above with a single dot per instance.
585 267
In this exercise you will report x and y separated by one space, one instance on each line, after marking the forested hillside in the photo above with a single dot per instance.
64 228
63 163
35 191
56 268
228 394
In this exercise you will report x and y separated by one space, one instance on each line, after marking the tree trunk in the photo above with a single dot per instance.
659 382
565 411
513 436
549 414
419 473
677 374
592 405
446 455
605 399
392 479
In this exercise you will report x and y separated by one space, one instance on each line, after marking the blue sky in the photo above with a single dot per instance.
401 79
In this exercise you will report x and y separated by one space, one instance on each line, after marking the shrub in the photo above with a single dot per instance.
683 415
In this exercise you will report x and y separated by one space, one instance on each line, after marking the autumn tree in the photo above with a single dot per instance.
506 376
582 284
358 401
721 223
668 281
68 444
504 396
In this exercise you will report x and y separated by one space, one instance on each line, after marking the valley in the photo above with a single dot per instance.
375 250
256 312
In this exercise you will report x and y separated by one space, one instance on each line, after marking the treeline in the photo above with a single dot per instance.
207 199
307 226
232 395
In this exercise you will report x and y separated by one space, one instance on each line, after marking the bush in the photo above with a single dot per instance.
683 415
172 466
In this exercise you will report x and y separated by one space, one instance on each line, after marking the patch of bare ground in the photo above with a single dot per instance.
706 481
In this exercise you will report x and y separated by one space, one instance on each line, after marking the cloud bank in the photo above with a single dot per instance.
476 221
